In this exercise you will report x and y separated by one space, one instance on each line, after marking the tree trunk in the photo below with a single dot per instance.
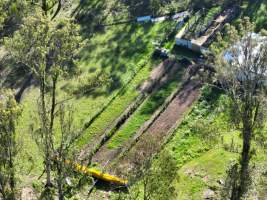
52 112
53 105
12 176
46 133
11 149
245 158
60 182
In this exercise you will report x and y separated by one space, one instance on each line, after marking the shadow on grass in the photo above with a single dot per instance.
118 54
139 8
90 14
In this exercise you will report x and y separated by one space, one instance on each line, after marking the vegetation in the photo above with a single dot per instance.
145 111
244 82
70 69
9 114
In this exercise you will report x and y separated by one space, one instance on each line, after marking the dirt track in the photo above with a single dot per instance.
150 142
157 77
104 154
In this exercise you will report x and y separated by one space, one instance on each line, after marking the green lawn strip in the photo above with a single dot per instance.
202 173
144 112
121 46
29 159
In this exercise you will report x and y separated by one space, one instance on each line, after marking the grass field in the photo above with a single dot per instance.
203 146
119 52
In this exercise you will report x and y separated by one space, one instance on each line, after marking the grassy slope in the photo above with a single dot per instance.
208 162
116 51
134 49
205 171
201 163
208 167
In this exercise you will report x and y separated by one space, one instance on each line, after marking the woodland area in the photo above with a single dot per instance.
133 99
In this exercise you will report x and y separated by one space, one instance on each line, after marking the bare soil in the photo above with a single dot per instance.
27 193
104 154
150 142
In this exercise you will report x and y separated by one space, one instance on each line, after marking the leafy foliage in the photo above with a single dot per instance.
9 113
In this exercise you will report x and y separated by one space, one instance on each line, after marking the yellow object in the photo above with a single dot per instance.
97 174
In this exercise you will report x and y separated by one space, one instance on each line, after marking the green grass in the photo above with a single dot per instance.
116 108
202 173
189 141
201 162
138 48
117 52
145 111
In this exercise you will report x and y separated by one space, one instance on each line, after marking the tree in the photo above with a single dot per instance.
11 13
9 114
62 148
62 152
158 180
49 50
48 6
242 72
154 178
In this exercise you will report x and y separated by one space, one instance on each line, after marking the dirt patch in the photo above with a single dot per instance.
156 75
27 193
158 131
